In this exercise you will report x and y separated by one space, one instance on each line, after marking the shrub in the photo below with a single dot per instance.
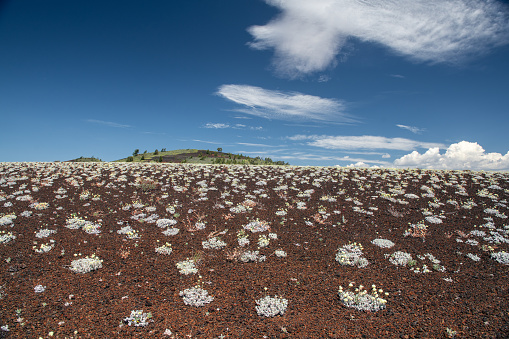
351 255
502 257
401 258
165 249
248 256
361 300
5 237
213 243
271 306
196 296
138 318
130 159
383 243
86 264
165 222
187 267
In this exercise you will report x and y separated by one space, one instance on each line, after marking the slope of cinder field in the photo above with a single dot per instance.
119 250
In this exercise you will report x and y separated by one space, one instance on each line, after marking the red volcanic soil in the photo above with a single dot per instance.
458 219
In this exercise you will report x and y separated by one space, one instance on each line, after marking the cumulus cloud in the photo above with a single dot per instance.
365 142
463 155
280 105
308 35
412 129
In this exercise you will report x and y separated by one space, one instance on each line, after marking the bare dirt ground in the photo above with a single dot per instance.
82 246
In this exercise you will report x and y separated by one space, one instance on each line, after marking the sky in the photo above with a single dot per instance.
368 83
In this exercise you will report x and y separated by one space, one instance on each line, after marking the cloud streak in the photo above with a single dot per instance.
308 35
364 142
236 126
412 129
107 123
281 105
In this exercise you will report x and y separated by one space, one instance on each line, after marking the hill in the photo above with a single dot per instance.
197 156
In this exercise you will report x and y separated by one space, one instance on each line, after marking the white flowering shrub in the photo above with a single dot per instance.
502 257
75 222
44 248
87 264
254 256
138 318
244 241
163 223
44 233
361 300
257 226
7 219
473 257
165 249
6 237
213 243
351 255
383 243
129 232
263 241
400 258
187 267
271 306
196 296
171 231
280 253
39 289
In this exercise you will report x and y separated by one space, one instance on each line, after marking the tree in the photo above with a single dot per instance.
160 159
219 149
156 152
130 159
136 152
142 157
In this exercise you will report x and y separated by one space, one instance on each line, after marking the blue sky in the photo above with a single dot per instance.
413 83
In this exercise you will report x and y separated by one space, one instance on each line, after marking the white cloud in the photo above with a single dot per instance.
386 156
412 129
216 125
284 105
365 142
462 155
308 35
358 164
236 126
108 123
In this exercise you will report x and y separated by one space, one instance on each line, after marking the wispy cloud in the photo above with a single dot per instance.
399 76
107 123
207 142
255 145
462 155
308 35
412 129
280 105
236 126
364 142
216 125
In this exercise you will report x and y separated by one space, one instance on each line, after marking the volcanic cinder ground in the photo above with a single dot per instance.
269 252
